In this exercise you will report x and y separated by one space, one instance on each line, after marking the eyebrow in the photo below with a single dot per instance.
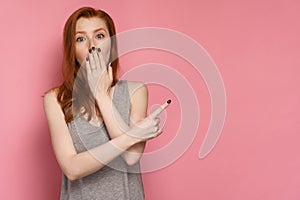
96 30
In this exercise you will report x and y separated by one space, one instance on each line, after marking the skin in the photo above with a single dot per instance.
126 141
91 32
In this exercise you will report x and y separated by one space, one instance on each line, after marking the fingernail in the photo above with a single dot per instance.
87 59
90 50
169 101
99 50
93 48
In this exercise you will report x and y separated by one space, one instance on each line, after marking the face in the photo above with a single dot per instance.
91 32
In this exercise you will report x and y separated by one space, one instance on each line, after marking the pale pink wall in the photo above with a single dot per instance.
255 45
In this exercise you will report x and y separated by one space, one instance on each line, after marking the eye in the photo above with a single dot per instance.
100 35
80 39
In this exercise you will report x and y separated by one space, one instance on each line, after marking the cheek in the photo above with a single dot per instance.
80 54
106 52
105 49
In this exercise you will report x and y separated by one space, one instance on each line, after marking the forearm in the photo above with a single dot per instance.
117 126
114 122
88 162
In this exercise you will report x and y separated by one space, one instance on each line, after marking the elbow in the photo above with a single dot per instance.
72 174
131 161
131 158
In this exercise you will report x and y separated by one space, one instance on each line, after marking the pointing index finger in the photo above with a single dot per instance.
156 112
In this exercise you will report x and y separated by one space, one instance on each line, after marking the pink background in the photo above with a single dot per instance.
255 45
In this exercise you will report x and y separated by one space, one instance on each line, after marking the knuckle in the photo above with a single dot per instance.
157 121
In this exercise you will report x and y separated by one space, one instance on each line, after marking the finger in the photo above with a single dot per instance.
100 58
156 121
154 129
91 60
102 61
159 132
88 66
96 58
156 112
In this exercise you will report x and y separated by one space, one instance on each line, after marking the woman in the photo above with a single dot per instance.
98 124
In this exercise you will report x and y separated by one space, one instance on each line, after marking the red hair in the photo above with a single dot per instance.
74 93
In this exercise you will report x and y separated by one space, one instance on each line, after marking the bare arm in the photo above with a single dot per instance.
74 165
117 126
100 78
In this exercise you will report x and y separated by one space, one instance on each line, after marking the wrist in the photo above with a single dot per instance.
102 96
131 140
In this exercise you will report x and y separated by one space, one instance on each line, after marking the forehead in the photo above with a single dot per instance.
90 24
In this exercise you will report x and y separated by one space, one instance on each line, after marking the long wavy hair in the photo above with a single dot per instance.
74 94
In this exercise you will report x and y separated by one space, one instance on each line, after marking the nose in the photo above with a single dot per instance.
91 43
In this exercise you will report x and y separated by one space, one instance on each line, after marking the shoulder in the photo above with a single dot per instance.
52 93
52 108
50 98
137 88
138 92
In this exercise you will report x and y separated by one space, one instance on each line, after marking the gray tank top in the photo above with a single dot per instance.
114 181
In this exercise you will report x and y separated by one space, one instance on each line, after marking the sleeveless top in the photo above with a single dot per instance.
116 180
